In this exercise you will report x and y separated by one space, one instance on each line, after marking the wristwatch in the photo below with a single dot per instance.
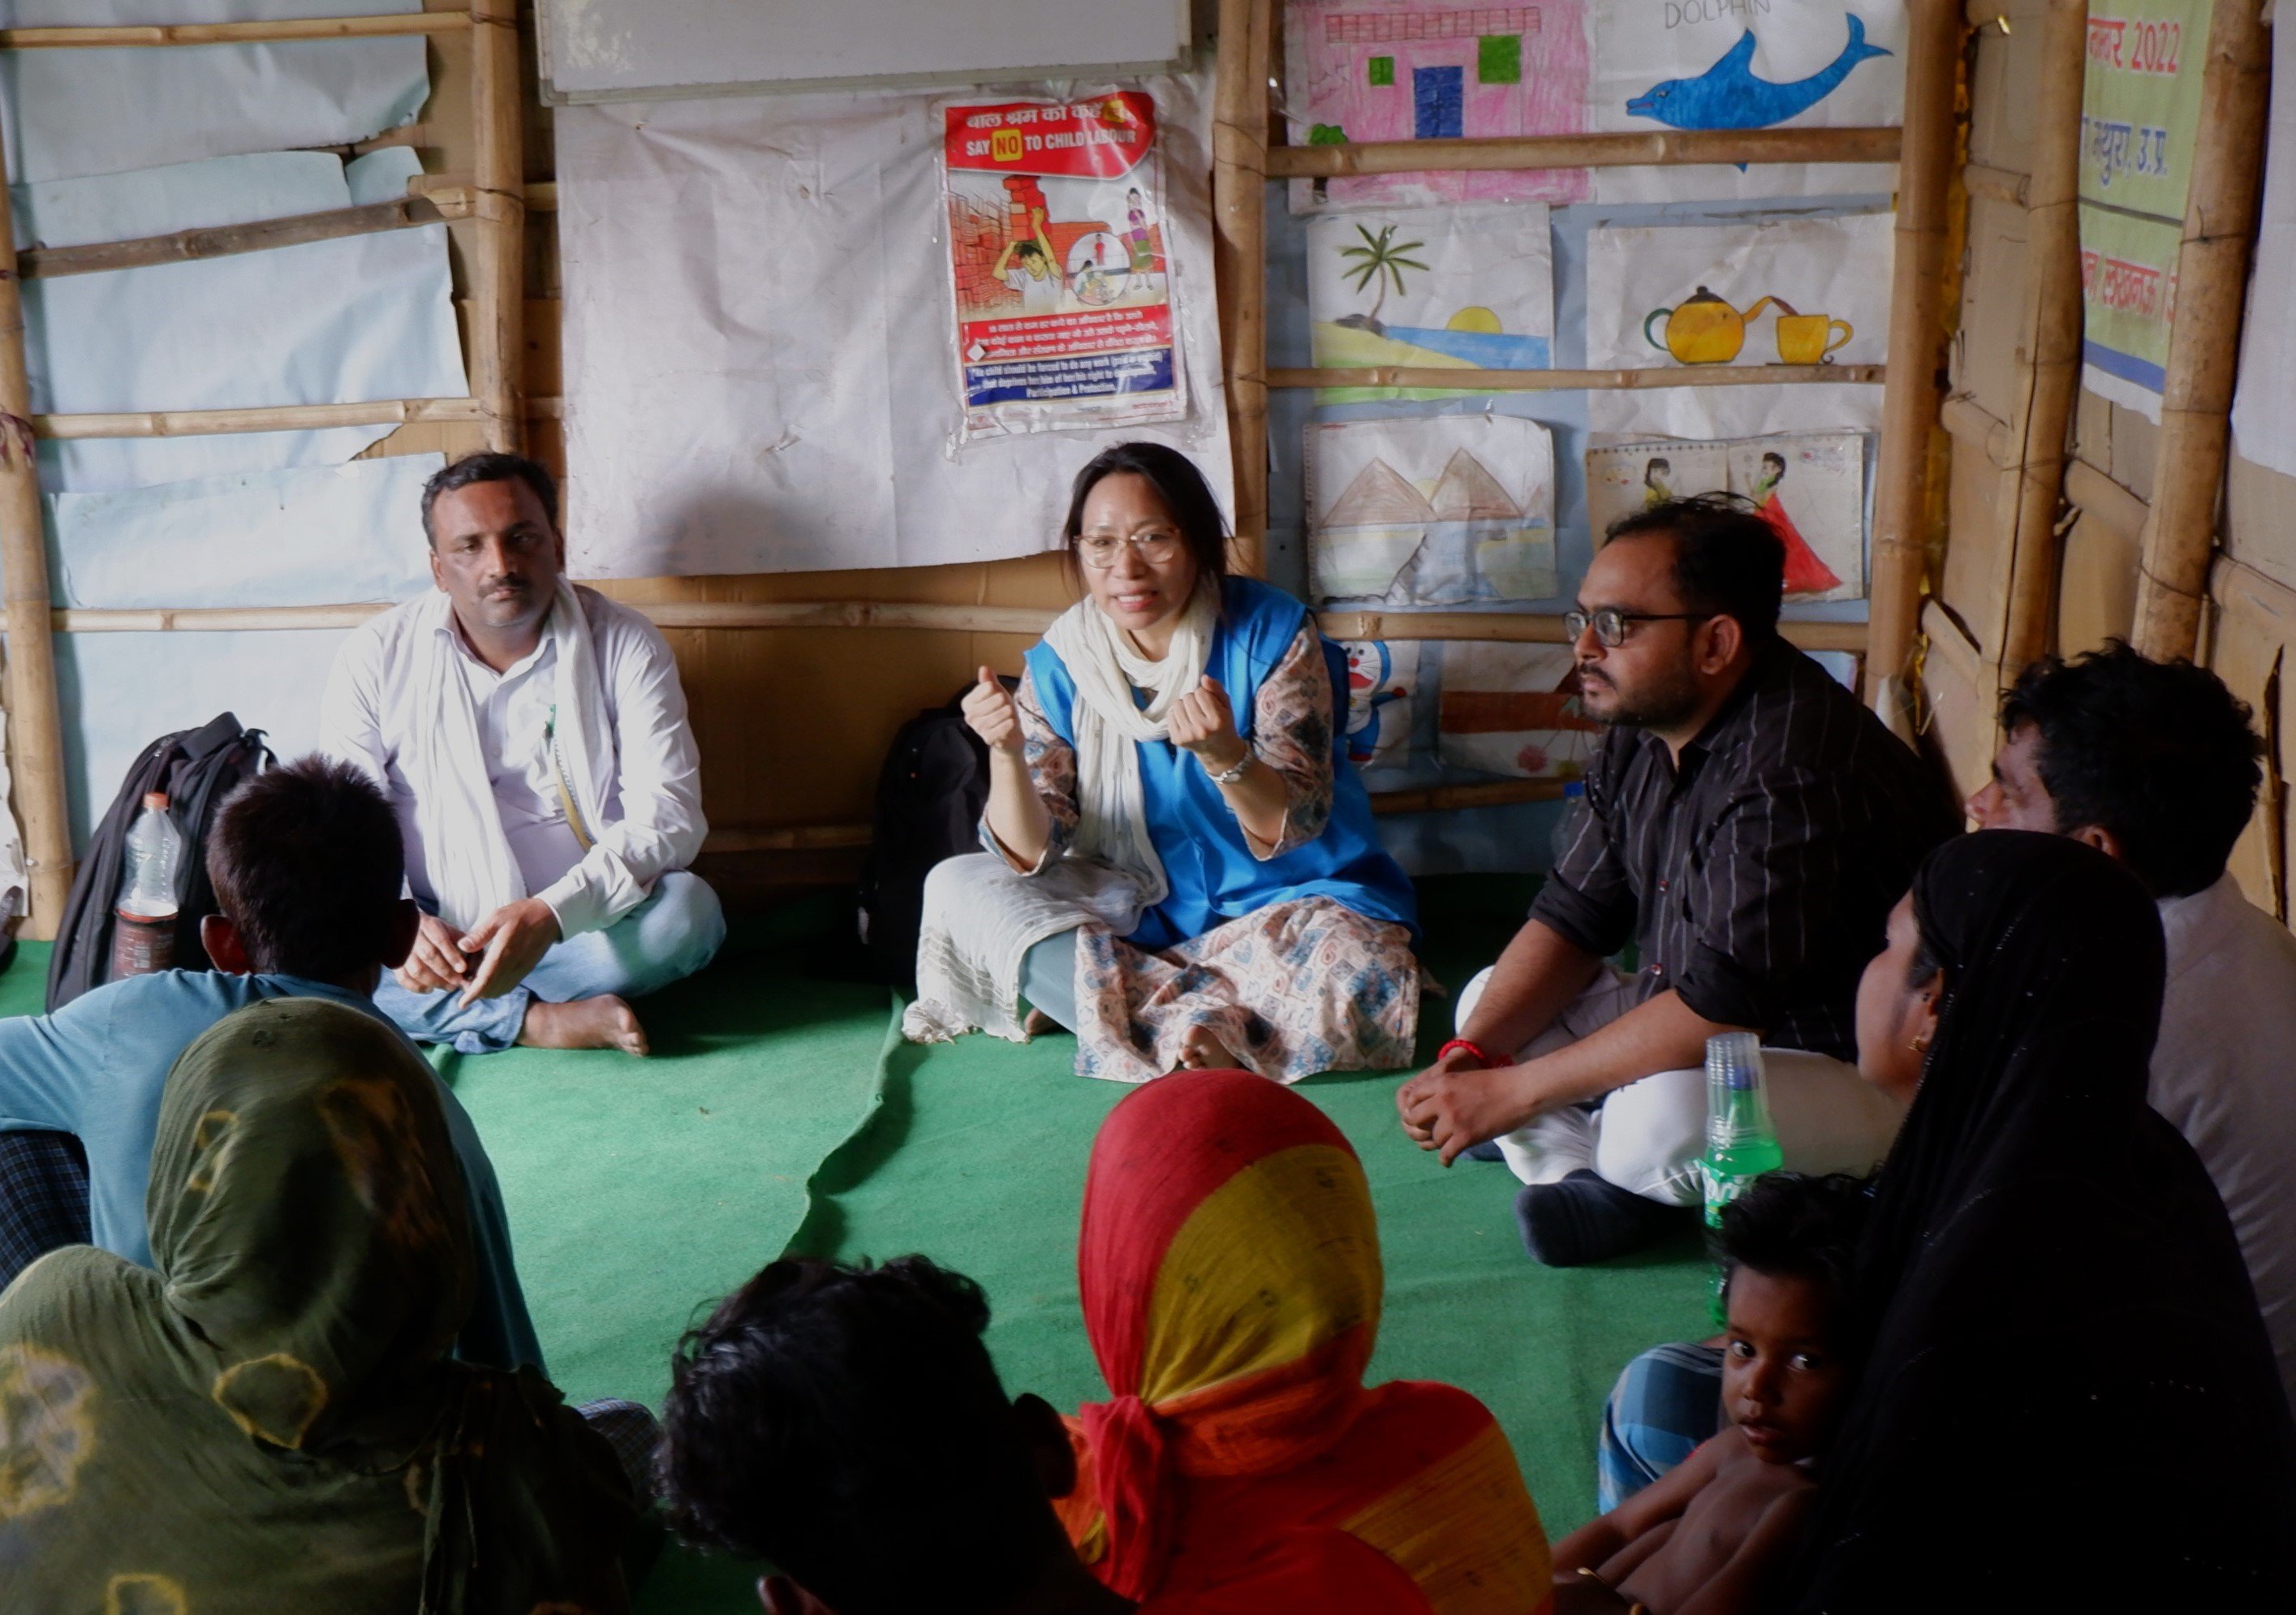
1228 776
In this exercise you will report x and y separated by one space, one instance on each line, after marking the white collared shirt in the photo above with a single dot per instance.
2224 1074
652 811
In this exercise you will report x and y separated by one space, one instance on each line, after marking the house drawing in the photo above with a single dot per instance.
1460 537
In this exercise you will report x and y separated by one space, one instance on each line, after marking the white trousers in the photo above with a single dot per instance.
1647 1136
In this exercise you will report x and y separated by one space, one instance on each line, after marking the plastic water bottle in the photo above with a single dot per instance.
144 918
1741 1142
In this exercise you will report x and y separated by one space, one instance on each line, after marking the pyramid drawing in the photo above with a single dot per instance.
1806 574
1468 492
1380 497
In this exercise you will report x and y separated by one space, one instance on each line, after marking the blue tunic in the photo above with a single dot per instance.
1213 876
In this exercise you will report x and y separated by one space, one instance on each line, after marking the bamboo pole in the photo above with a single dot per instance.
1468 379
35 723
498 263
1525 627
2220 218
2100 498
2049 367
1651 147
1239 258
233 33
1483 793
1917 359
268 417
225 241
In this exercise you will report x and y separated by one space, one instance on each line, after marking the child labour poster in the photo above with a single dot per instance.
1433 510
1437 288
1059 262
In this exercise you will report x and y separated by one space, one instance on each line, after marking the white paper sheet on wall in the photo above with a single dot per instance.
323 536
120 691
1799 290
341 321
756 329
2263 408
71 112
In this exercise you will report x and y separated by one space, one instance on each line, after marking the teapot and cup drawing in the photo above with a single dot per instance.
1703 329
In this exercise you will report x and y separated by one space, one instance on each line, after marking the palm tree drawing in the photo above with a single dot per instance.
1380 260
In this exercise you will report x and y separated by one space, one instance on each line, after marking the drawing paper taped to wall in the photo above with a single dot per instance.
1359 70
1746 64
1810 488
1438 511
1512 708
1790 291
1441 288
1382 675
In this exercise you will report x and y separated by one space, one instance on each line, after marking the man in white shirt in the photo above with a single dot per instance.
2156 764
532 737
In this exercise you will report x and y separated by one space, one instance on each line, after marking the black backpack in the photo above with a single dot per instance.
197 768
929 799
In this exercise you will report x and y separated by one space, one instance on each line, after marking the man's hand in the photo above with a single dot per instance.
436 962
513 939
1455 1104
1204 722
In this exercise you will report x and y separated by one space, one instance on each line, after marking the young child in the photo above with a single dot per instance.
1710 1537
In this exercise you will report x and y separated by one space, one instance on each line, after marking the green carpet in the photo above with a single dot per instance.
780 1110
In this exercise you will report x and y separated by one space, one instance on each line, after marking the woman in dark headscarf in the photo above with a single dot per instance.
2069 1402
270 1420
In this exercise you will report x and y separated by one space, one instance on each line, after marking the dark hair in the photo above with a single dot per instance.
1022 249
306 863
2160 753
846 1423
1797 1225
490 468
1726 559
1178 483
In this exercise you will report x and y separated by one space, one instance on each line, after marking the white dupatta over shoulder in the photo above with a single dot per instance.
472 870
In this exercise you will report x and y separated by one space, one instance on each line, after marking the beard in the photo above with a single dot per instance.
1664 701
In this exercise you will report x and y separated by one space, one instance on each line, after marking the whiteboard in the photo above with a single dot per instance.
621 50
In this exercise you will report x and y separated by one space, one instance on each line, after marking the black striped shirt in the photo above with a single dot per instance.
1756 880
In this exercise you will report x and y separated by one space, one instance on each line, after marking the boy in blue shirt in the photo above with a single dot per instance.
308 873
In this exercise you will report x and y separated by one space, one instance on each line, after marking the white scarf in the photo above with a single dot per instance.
472 867
1112 813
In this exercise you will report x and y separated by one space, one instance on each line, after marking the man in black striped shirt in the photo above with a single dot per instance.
1748 825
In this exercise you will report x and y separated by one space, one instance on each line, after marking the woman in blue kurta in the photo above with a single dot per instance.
1181 865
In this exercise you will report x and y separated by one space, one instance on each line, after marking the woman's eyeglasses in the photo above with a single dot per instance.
1154 546
1611 625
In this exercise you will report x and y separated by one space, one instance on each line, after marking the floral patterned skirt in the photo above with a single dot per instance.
1291 989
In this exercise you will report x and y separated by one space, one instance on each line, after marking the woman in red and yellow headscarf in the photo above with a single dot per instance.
1229 1266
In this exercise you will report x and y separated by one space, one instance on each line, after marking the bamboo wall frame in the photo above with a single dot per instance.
1925 151
496 197
2195 441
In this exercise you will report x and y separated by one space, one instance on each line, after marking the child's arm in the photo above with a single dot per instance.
1747 1580
1595 1543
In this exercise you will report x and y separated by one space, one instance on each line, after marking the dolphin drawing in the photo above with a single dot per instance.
1728 96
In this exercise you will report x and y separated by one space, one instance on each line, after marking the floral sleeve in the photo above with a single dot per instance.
1291 719
1052 769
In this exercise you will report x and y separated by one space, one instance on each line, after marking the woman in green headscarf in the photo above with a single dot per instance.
271 1419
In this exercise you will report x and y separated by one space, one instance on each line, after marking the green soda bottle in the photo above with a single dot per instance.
1741 1143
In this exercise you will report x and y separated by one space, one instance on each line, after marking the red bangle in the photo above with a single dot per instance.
1472 1047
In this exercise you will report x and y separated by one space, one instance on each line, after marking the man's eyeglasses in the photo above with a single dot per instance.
1611 625
1154 546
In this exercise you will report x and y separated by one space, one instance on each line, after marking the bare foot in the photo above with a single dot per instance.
603 1022
1199 1051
